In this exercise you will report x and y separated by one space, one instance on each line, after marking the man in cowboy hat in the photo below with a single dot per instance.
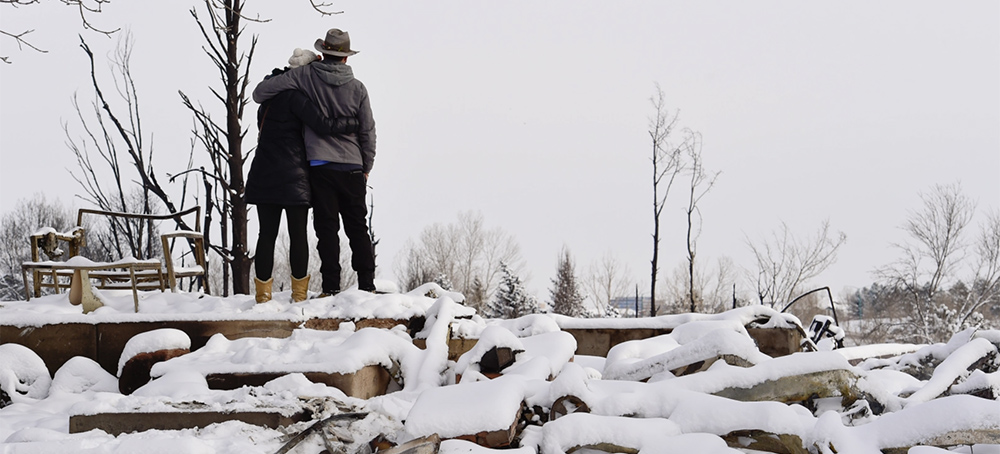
339 165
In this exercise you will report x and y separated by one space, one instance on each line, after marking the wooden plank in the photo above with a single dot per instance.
122 423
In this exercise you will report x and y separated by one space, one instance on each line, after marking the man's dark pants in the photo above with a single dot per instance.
337 194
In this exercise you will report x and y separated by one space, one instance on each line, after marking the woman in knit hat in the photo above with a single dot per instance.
279 178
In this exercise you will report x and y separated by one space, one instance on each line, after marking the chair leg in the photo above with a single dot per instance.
135 293
80 292
27 291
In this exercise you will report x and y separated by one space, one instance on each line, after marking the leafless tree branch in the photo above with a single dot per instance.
319 8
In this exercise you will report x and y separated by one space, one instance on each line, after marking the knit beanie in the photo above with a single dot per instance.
301 57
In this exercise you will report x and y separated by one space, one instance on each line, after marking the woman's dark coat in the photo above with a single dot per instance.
279 173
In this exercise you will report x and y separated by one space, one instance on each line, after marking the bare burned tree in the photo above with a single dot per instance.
85 9
785 263
224 179
119 143
700 183
667 165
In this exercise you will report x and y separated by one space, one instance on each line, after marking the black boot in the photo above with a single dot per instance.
366 281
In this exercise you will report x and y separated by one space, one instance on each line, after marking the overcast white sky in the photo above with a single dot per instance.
535 113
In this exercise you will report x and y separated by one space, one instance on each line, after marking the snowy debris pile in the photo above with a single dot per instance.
689 348
705 386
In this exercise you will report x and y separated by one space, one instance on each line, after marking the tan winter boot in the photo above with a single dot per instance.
263 289
300 289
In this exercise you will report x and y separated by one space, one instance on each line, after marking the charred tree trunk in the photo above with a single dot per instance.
235 100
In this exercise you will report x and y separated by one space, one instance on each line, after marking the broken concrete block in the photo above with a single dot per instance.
786 379
683 352
135 372
487 413
799 388
775 342
604 447
365 383
566 405
494 439
496 349
146 349
943 422
979 384
758 440
977 354
496 359
703 365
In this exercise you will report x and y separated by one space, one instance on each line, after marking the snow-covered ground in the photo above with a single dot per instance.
912 396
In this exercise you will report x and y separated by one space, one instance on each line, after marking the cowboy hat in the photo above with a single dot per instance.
337 43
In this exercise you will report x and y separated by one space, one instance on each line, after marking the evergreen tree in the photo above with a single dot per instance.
611 311
443 281
476 296
511 300
566 297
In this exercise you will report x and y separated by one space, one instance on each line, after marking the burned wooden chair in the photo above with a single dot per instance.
135 273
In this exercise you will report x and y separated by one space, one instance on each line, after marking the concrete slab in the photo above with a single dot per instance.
56 343
598 341
114 336
799 388
366 383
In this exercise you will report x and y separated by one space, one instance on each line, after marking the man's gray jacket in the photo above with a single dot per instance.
333 87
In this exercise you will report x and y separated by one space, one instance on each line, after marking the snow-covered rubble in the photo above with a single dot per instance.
643 397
